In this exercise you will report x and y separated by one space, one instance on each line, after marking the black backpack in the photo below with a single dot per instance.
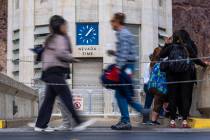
179 59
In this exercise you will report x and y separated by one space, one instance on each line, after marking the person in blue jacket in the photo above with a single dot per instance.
125 58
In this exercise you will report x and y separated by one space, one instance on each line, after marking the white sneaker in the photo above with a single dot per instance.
31 125
84 125
48 129
63 128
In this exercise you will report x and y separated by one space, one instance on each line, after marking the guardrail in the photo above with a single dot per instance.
99 102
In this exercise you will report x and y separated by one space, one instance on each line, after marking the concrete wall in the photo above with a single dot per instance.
202 96
147 14
17 101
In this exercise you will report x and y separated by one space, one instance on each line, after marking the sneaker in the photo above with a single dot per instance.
185 124
32 125
48 129
147 123
84 125
172 124
155 123
63 128
180 117
114 126
122 126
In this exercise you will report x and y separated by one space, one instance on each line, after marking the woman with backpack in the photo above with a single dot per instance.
156 86
180 71
56 57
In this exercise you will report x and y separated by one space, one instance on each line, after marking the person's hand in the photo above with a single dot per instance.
111 52
168 40
207 63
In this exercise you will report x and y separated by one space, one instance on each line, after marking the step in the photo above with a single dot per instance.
199 123
2 124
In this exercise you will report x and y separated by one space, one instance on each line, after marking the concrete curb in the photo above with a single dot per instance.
108 130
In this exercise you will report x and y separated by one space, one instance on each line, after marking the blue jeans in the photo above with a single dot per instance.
124 96
149 98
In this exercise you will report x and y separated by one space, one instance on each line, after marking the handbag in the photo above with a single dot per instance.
111 76
157 82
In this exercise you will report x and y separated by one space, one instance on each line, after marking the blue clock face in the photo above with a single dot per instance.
87 34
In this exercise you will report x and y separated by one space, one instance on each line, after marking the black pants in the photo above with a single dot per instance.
51 92
180 94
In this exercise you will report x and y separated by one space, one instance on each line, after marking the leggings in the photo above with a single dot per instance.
180 94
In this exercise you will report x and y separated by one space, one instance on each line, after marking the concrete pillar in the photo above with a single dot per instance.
169 15
9 37
67 8
26 40
149 28
55 7
106 42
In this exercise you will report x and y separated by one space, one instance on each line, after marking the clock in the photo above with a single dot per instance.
87 34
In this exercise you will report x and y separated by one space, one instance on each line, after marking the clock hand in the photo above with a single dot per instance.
89 32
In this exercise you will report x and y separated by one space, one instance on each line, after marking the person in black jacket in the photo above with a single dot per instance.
180 94
193 50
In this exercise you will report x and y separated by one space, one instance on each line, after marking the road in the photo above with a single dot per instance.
107 135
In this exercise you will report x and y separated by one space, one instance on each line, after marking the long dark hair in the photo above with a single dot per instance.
185 36
55 24
189 43
177 38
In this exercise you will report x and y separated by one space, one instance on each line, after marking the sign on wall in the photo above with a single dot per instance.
87 39
78 102
87 34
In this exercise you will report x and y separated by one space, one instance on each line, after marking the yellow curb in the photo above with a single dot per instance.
2 124
199 123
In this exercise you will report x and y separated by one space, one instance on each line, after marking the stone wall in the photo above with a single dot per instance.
194 15
3 34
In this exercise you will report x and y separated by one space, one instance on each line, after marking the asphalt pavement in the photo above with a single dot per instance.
107 134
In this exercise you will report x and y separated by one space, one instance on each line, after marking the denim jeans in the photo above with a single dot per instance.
149 98
125 96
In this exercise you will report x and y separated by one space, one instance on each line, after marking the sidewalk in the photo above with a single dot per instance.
103 126
107 122
108 130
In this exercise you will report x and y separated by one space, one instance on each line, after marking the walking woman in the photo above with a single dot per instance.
55 58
